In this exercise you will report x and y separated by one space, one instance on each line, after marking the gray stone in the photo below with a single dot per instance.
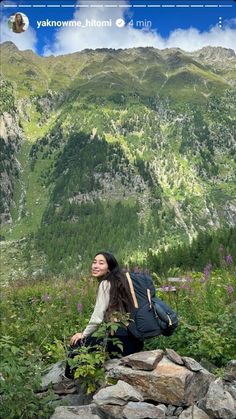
231 388
111 363
178 411
54 375
170 410
119 394
230 371
75 412
169 383
146 360
173 356
193 412
163 407
198 386
209 366
218 402
142 410
76 399
191 364
111 411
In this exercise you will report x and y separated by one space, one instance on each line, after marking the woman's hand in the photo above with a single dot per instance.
75 338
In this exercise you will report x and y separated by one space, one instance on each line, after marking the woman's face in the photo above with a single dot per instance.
99 266
18 18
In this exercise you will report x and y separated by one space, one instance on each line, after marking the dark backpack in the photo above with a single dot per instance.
151 316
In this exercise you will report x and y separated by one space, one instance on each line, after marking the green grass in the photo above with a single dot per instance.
36 197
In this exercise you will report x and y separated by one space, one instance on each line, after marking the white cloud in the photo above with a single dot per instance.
24 40
192 39
72 39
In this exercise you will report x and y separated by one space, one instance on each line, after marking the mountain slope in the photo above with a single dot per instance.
126 150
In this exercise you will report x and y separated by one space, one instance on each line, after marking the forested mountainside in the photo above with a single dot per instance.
126 150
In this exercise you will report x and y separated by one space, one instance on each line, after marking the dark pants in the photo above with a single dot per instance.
129 342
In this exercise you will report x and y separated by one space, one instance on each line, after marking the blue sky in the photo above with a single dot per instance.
189 25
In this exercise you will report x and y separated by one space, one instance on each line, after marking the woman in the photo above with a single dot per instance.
113 295
18 25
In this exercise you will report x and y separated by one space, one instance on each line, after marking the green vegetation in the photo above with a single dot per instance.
114 154
38 318
213 248
100 151
88 362
7 99
205 303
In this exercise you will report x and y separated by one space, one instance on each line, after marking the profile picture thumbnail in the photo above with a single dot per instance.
18 22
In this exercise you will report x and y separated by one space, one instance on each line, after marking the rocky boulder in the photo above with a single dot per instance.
218 403
156 384
167 383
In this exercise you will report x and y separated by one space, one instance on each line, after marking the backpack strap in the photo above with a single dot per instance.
132 290
149 297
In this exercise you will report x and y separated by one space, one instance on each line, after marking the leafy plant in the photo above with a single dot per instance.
88 363
20 379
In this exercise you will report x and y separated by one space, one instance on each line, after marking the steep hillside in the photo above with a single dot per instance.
125 150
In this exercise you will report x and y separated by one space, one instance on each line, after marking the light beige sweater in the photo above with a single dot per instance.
101 305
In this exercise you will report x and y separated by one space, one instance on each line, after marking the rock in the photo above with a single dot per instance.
54 375
178 411
149 377
218 402
191 364
111 411
146 360
163 407
170 410
76 399
142 410
173 356
168 383
198 386
209 366
231 388
230 371
193 412
111 363
119 394
75 412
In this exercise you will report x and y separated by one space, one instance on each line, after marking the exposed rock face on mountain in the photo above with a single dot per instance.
142 140
11 139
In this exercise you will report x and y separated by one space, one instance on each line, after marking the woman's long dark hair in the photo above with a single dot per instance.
120 295
16 26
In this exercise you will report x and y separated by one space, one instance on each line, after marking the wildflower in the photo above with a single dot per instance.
203 279
46 297
229 259
79 307
207 269
229 289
